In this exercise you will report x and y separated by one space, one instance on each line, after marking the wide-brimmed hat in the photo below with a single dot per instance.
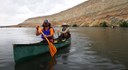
46 21
64 24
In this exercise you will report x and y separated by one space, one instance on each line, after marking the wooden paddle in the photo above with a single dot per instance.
52 48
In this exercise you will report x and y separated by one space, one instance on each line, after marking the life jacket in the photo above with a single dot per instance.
46 32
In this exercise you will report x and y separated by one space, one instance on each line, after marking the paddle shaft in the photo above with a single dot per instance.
43 34
52 48
45 37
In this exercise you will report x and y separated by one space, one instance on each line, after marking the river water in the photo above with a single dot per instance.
91 48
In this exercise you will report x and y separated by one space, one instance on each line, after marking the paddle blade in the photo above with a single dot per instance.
52 49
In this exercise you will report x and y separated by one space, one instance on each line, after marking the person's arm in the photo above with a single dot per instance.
38 29
67 29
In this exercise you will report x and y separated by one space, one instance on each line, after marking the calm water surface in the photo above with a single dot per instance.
90 49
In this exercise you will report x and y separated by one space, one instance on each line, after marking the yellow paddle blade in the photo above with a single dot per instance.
52 49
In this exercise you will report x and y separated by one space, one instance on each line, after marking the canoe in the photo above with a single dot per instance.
24 52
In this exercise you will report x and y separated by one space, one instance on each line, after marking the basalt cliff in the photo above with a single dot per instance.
89 13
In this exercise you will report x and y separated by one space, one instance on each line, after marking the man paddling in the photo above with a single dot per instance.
65 33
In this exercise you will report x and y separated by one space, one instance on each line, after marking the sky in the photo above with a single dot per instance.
13 12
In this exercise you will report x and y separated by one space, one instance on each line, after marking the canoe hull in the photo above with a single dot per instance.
26 51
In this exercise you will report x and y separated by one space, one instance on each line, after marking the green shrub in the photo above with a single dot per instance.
123 24
103 24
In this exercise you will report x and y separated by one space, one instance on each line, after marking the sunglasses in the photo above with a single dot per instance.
46 25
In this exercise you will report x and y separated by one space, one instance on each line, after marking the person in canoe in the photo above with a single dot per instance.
65 33
47 30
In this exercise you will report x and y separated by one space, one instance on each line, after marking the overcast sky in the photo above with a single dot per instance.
16 11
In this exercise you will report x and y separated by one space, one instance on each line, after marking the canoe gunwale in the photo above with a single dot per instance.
38 43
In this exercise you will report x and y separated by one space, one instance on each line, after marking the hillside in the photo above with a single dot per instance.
89 13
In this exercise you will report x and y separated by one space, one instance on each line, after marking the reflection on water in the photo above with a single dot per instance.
90 49
43 62
110 43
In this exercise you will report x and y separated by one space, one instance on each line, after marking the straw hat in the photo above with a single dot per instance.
64 24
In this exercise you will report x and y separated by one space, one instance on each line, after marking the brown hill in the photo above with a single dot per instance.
89 13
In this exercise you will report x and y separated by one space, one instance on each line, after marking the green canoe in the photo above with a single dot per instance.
26 51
